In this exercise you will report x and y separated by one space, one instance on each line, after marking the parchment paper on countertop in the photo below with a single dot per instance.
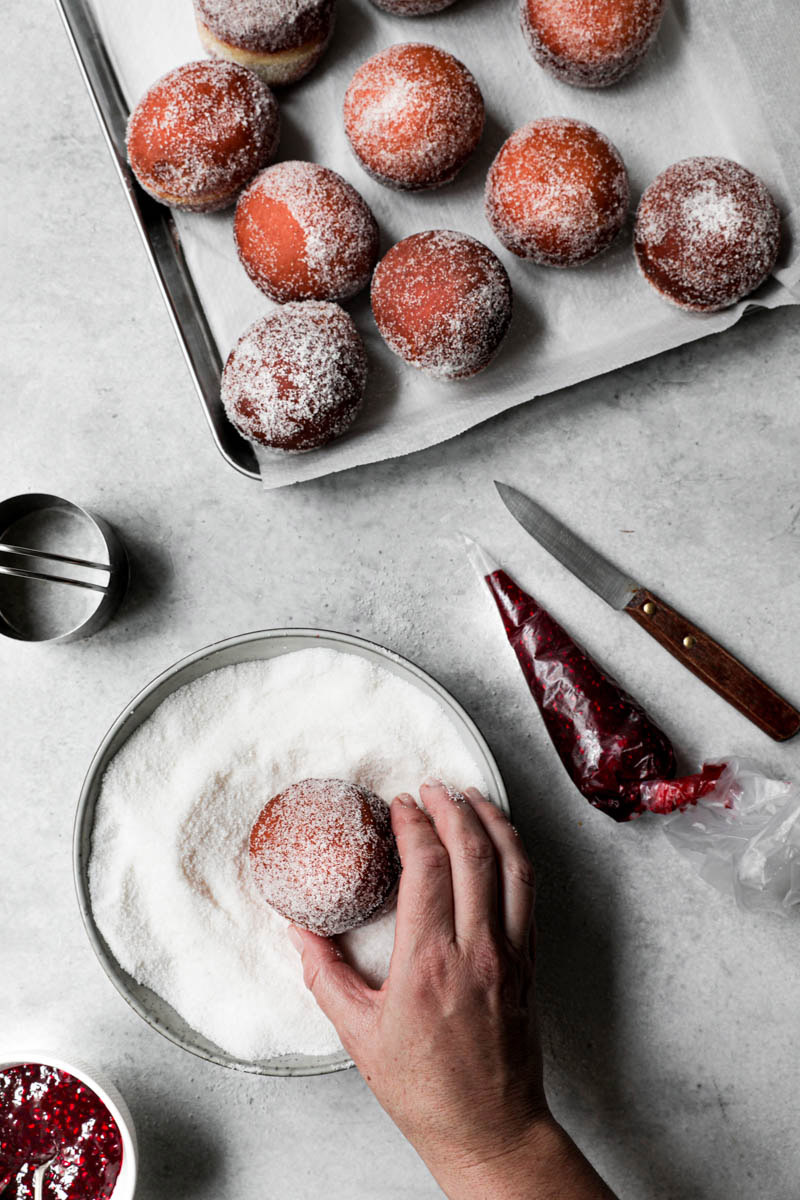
721 79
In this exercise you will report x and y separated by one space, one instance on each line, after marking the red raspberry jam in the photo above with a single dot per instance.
46 1113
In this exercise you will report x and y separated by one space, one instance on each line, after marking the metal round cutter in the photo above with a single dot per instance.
63 570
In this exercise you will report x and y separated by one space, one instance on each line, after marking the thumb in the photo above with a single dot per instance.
337 987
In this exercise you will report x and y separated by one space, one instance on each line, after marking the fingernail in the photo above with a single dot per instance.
295 939
406 800
474 794
430 782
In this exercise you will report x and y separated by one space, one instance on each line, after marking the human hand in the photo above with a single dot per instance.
449 1043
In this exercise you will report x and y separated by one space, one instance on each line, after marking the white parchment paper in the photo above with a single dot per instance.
720 80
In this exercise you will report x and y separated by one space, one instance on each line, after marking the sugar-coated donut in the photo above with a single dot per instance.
303 233
281 40
413 114
296 377
590 43
442 302
707 233
200 133
412 8
324 856
557 192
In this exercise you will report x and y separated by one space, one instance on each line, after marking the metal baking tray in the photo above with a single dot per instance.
159 234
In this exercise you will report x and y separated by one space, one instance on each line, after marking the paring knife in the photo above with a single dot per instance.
696 650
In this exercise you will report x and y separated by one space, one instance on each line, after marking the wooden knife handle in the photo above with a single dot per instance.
706 659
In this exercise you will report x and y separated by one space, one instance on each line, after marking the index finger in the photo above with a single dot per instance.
425 895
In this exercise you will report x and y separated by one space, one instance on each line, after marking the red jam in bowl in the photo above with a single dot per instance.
46 1113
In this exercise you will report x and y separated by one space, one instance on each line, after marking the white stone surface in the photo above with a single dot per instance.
670 1019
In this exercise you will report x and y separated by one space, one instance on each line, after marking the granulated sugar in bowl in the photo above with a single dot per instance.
162 833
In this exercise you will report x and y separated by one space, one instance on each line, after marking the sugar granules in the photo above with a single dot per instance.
169 876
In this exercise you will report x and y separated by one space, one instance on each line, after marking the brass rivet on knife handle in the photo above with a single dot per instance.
706 659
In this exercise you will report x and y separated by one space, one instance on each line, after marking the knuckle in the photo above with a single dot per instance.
311 976
316 969
477 850
433 857
432 967
488 962
521 871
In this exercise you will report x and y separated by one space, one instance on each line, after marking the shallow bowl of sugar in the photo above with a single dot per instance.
246 648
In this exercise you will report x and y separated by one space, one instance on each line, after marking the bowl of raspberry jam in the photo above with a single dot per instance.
58 1122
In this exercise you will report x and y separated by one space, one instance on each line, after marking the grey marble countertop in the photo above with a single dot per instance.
670 1019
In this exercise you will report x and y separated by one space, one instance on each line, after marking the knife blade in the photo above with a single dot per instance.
693 648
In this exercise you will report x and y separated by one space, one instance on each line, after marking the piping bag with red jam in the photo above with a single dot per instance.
615 755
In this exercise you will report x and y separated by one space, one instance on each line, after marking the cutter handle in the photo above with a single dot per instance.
706 659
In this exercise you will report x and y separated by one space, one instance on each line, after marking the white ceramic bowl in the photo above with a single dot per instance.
126 1180
263 644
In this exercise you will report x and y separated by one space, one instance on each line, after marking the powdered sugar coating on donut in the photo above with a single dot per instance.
590 43
323 855
412 8
200 133
296 377
557 192
413 114
267 25
442 302
304 233
707 233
